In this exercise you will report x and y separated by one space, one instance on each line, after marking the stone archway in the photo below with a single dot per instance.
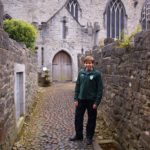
62 67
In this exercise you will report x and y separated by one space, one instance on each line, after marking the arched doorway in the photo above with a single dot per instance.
62 67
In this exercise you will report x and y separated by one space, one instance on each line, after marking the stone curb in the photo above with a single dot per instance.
96 146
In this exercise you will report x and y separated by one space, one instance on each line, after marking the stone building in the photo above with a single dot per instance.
18 86
69 27
1 14
66 29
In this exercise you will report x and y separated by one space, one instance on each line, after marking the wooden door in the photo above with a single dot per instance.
62 67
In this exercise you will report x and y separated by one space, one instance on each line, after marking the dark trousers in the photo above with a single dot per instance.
84 105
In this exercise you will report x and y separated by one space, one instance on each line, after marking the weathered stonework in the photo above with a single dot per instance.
12 54
48 16
125 104
1 13
90 11
54 43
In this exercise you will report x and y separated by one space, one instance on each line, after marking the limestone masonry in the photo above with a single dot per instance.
82 33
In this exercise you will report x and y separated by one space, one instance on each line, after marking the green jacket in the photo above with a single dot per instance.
89 86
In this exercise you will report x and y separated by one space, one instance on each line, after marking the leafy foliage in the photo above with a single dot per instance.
21 32
126 41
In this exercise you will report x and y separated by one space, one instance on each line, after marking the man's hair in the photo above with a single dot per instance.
89 58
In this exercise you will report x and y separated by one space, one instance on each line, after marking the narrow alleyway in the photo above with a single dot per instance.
52 122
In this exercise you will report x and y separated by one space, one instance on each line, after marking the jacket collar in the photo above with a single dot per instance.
90 72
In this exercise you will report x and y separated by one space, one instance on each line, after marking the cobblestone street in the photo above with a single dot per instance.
52 122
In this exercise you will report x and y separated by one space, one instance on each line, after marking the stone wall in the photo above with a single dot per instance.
126 100
1 14
90 11
14 58
50 14
53 42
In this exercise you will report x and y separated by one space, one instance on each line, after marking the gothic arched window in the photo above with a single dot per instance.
145 15
72 7
115 18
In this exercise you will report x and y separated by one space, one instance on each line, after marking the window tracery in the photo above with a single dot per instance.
72 7
115 18
145 15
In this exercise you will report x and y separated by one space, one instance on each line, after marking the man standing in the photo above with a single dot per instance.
88 94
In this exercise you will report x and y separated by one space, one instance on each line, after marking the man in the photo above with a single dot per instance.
88 94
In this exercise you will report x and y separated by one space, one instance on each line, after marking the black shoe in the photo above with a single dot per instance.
75 138
89 141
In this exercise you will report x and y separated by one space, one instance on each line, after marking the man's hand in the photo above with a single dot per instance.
76 103
94 106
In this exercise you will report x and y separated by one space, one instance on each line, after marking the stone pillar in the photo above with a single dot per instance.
1 13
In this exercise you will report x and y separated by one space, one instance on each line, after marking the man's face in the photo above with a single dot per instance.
88 65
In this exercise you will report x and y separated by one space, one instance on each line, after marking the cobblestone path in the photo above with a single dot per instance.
52 122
